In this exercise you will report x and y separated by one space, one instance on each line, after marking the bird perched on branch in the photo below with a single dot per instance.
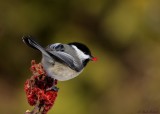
62 61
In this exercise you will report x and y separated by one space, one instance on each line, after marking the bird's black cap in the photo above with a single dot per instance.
81 47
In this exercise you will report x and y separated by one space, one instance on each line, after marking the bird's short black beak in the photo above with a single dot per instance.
93 58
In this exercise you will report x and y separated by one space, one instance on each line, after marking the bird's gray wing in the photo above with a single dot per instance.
67 59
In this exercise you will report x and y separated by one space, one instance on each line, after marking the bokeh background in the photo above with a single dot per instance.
123 34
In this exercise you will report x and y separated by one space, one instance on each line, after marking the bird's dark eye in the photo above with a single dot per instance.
59 47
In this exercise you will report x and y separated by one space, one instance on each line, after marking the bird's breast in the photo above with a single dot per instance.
59 71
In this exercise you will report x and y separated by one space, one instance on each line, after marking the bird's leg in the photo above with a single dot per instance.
53 87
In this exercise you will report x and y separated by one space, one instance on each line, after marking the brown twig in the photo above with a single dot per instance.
36 110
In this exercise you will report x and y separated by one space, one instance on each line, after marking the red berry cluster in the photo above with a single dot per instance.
38 90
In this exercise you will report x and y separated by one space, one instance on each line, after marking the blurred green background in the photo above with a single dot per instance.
123 34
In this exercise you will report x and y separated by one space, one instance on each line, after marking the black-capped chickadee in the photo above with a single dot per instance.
62 61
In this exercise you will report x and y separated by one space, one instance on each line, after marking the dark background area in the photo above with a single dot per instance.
123 34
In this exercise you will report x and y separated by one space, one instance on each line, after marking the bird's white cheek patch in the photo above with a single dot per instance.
80 53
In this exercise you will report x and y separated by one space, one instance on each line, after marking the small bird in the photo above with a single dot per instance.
62 61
